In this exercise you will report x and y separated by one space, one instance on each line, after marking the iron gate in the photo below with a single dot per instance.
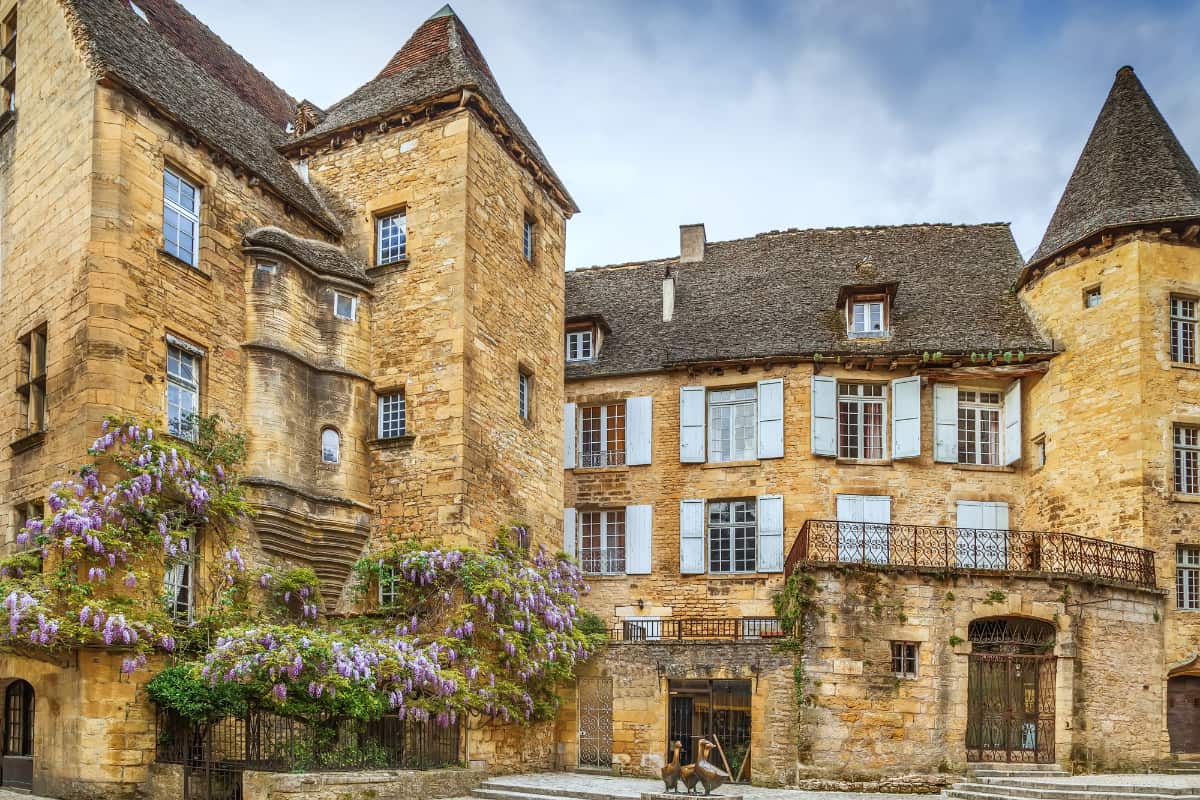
595 722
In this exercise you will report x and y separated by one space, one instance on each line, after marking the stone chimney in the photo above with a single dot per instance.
668 295
691 243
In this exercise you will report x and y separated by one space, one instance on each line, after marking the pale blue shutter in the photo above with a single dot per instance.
639 413
770 418
569 436
691 424
824 416
906 417
770 533
569 531
945 422
1012 423
691 537
638 539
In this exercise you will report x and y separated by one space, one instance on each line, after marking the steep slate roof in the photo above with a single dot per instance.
320 257
776 294
1132 170
125 49
440 57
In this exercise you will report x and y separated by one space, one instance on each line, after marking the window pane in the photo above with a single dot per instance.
392 238
331 445
732 536
391 416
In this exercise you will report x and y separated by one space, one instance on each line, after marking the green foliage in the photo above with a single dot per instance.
955 641
995 596
178 689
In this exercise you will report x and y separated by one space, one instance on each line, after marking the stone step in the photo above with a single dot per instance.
1183 770
1110 793
1093 788
508 791
1019 773
1013 765
514 794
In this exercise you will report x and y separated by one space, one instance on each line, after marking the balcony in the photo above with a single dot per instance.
698 629
869 543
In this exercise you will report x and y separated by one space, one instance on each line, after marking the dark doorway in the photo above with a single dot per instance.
16 765
715 710
1183 714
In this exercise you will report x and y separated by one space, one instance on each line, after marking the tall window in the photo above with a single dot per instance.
183 392
331 446
733 424
732 536
866 318
527 234
181 218
904 659
579 345
178 583
602 435
9 60
391 415
1187 577
1187 459
389 590
602 541
391 238
22 514
1183 330
979 427
33 388
524 394
860 420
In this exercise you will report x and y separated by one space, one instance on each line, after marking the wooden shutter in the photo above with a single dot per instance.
1012 423
691 537
770 418
639 413
638 539
877 509
691 424
824 416
945 422
569 531
906 417
770 533
569 436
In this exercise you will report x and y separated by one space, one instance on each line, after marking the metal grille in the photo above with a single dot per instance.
595 722
637 629
715 710
1010 708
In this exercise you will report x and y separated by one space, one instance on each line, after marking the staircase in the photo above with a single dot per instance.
1184 767
1048 782
491 790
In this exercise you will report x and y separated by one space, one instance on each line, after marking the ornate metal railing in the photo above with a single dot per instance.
832 542
602 458
696 629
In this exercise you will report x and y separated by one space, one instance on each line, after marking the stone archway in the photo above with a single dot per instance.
16 763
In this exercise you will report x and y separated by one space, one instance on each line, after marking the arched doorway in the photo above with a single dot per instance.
1010 690
1183 713
16 764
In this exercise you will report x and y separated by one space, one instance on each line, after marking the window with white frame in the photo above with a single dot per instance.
179 582
579 345
1092 297
861 420
979 430
1183 329
32 390
1187 577
391 415
732 536
733 424
391 238
905 659
524 394
602 435
602 541
345 306
1187 459
181 218
527 238
389 588
866 318
331 446
183 391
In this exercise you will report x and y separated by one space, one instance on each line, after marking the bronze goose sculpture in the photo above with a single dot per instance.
670 773
707 773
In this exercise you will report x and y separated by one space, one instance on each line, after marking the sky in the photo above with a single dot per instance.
756 116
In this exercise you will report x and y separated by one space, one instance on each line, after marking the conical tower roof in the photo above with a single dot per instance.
1132 171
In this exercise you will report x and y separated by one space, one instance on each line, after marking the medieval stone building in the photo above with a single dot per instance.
982 474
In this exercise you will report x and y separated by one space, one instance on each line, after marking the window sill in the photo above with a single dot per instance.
607 576
730 464
383 269
865 462
1185 365
176 261
984 468
595 470
392 443
28 442
1179 497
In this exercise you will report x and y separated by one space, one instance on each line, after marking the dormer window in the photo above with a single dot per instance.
580 345
867 318
868 310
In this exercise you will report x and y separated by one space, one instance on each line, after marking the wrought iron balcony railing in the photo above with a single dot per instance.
832 542
697 629
602 458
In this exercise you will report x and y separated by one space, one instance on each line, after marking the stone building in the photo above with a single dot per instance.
372 292
981 472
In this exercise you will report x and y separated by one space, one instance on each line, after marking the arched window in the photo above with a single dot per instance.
331 446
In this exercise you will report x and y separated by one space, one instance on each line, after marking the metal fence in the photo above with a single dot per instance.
696 629
830 541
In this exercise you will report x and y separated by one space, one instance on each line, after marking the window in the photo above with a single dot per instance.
524 393
979 427
602 435
1039 451
389 590
1187 459
178 582
22 514
579 346
1183 330
602 542
331 446
391 238
1187 577
527 239
33 388
733 424
866 318
267 267
904 659
732 536
183 391
391 415
1091 297
138 10
181 218
860 420
9 61
345 306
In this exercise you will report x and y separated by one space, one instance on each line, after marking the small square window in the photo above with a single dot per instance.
524 394
905 659
1091 297
579 346
391 238
867 317
391 416
345 306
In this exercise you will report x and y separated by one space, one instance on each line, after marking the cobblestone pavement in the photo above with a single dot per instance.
8 794
550 782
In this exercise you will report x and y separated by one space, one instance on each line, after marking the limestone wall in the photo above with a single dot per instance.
367 785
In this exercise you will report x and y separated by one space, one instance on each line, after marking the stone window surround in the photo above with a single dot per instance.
405 429
1092 296
377 218
32 388
200 354
906 659
526 393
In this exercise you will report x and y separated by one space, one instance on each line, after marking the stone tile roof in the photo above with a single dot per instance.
123 48
776 294
320 257
1132 170
439 58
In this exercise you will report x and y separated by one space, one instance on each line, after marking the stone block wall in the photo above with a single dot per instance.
366 785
